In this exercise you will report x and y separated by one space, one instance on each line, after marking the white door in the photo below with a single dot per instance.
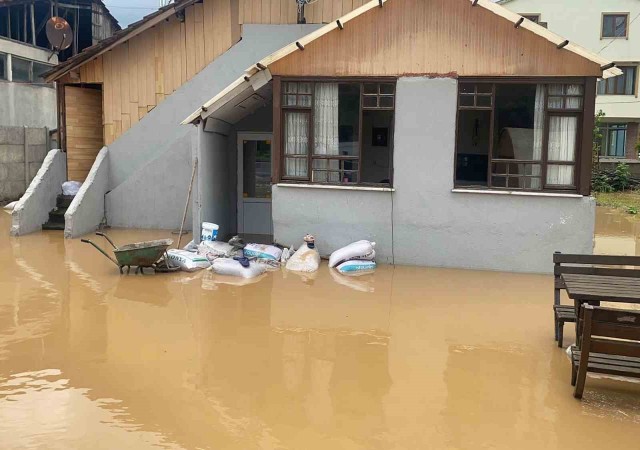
254 184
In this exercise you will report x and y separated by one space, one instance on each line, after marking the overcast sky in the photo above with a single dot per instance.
130 11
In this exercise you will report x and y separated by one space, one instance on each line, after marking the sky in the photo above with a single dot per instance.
130 11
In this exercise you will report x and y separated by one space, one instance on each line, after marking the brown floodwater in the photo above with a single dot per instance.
407 358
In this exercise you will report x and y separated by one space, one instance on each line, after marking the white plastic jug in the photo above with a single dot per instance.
209 231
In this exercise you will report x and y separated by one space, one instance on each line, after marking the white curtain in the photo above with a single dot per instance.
574 102
538 137
562 147
325 130
296 130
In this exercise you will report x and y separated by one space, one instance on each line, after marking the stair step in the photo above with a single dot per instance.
53 226
57 215
63 201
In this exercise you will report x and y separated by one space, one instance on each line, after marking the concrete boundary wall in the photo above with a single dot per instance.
22 150
33 208
87 208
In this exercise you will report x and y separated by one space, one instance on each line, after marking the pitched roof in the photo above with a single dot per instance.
244 82
118 38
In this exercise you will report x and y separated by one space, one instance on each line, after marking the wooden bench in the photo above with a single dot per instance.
609 343
604 265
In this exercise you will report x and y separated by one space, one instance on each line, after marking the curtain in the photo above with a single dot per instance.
562 147
574 102
325 130
538 137
296 130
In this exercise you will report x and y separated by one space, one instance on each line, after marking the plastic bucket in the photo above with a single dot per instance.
209 231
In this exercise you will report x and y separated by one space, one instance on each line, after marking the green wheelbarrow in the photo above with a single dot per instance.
140 254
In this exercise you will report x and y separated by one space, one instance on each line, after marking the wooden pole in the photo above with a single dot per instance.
186 206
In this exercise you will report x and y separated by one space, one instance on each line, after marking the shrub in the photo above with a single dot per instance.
621 177
601 182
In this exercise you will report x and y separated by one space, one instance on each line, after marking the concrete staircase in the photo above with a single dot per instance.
56 215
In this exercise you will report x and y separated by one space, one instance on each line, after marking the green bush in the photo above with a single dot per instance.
621 177
601 182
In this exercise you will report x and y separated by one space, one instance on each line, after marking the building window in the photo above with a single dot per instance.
624 84
518 135
337 132
3 66
27 71
614 140
615 25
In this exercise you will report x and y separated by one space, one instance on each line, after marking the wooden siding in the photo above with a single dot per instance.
432 37
83 112
286 11
138 74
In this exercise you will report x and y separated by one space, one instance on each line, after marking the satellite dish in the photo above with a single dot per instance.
59 33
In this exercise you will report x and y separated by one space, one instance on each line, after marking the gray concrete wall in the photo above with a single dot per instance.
22 151
430 224
135 154
86 211
33 207
155 195
29 105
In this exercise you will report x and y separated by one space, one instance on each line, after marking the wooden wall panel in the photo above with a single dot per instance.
432 37
286 12
83 112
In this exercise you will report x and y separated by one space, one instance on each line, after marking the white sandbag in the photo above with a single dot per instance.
356 267
305 259
262 251
209 232
71 187
216 249
8 208
187 261
191 247
357 250
228 266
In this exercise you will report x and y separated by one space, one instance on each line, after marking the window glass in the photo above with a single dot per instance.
296 94
614 25
38 70
20 69
296 143
256 169
614 139
624 84
3 66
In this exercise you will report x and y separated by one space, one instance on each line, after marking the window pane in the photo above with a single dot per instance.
38 70
556 89
472 144
370 101
562 138
296 133
370 88
387 88
290 88
21 69
500 182
483 88
621 25
560 175
304 88
335 171
336 116
256 169
483 100
466 100
556 102
304 100
295 167
386 102
377 142
601 87
573 103
3 66
467 88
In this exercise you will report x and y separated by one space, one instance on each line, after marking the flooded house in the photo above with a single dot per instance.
453 133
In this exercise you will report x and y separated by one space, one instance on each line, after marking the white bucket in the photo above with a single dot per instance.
209 231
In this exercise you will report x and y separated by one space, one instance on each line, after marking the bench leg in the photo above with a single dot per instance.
574 372
560 332
580 380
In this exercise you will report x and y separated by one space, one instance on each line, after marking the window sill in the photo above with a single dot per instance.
517 193
336 187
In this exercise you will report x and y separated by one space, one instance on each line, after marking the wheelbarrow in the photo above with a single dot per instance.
140 254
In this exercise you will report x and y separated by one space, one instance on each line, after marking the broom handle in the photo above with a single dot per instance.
186 207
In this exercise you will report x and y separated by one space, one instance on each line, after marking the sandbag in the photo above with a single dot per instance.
216 249
228 266
305 259
262 251
357 250
187 261
71 187
191 247
356 267
8 208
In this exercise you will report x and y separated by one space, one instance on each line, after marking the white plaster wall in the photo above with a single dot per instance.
430 224
29 105
33 208
87 208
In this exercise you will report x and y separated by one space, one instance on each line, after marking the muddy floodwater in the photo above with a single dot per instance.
408 358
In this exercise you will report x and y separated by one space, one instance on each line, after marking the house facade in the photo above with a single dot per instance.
399 123
612 30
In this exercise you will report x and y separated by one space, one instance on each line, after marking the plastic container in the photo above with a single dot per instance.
209 231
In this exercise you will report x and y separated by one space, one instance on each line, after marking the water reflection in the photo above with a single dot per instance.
617 233
405 358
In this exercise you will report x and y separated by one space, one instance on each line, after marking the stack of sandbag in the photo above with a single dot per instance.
356 258
266 254
216 249
306 258
229 266
187 261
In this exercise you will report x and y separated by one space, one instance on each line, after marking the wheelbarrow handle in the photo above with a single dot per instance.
87 241
107 238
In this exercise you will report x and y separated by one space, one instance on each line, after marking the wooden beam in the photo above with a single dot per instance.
608 66
562 44
339 24
475 2
519 22
299 45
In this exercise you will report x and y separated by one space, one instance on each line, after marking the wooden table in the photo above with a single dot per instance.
600 288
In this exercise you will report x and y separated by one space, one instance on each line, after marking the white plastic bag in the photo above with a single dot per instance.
209 231
71 187
357 250
190 247
305 259
262 251
228 266
187 261
10 206
216 249
356 267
